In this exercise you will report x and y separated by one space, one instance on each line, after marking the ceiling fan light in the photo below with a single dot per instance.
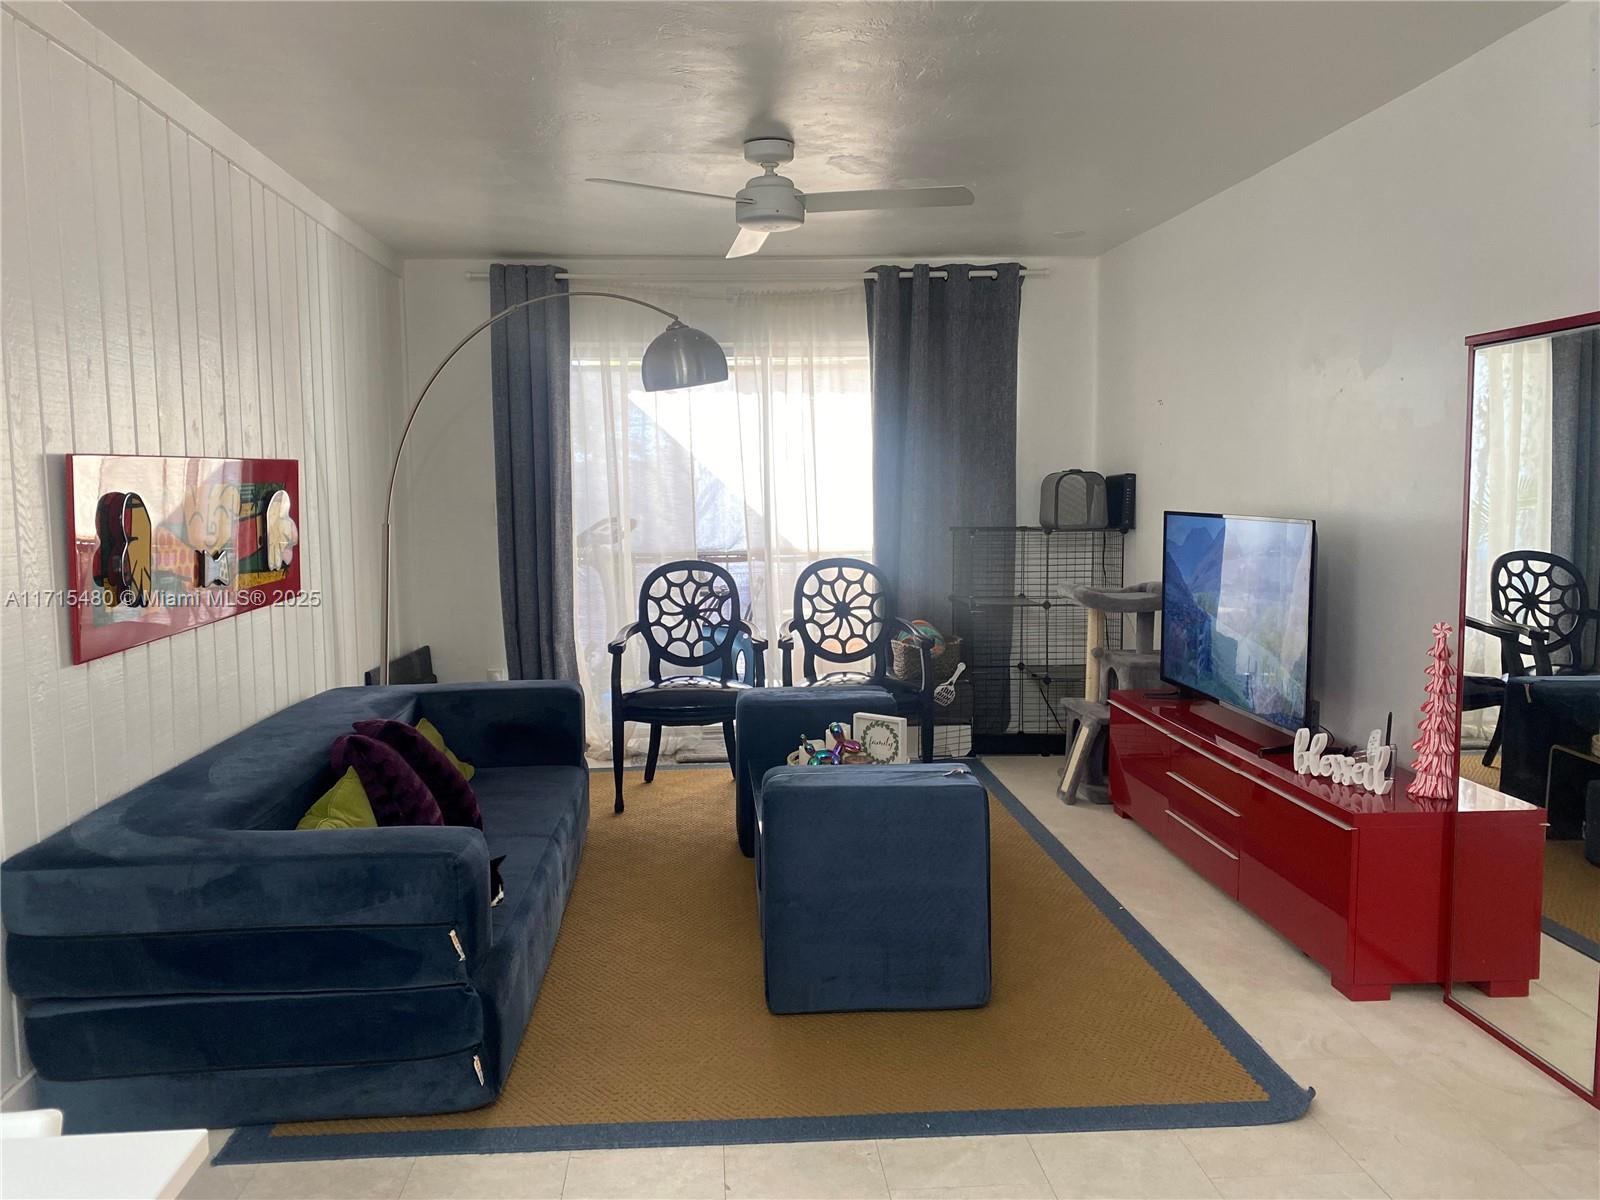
682 356
768 222
770 204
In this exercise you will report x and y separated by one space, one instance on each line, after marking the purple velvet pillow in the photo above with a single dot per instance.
456 799
397 795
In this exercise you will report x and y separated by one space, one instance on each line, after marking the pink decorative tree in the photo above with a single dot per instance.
1436 764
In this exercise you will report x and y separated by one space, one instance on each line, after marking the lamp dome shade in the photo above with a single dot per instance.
682 357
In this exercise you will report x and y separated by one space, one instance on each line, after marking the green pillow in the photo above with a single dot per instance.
343 806
436 739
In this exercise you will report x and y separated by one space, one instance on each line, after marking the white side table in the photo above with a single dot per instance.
91 1166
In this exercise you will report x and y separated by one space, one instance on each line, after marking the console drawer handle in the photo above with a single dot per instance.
1203 836
1202 793
1276 791
1314 811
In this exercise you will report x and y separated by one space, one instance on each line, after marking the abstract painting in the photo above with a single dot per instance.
160 545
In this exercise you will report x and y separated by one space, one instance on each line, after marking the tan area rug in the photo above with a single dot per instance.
1572 890
651 1025
1472 768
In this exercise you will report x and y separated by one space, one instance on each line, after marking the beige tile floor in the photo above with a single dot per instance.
1556 1019
1412 1100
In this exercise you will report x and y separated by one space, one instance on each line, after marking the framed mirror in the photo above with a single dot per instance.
1530 691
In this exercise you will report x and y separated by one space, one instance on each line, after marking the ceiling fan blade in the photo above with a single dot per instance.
748 242
655 187
928 197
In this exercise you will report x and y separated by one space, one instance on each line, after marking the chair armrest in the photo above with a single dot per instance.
124 882
786 649
620 643
1493 627
1511 636
758 646
1501 627
517 723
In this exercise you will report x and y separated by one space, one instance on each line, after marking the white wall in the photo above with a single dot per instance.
1056 352
446 563
1293 346
167 290
448 591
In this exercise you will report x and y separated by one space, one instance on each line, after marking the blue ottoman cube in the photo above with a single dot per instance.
874 888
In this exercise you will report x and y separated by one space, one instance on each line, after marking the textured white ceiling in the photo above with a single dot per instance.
467 128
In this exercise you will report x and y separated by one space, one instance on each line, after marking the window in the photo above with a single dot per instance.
762 474
1510 487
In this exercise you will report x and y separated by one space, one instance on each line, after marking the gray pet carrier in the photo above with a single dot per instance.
1073 500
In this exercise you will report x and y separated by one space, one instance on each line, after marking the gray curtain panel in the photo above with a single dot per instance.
530 372
1575 452
944 419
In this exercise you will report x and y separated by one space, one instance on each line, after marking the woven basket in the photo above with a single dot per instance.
942 661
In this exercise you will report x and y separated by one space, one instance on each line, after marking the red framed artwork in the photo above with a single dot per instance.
160 545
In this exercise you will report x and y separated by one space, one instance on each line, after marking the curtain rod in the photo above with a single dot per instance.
477 276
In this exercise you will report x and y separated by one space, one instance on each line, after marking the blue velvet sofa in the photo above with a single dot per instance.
189 958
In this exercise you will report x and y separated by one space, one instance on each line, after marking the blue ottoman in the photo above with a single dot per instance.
771 723
874 888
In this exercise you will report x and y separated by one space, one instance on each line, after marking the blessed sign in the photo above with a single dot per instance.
1369 771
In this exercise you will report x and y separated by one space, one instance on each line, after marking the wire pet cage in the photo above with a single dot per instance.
1024 641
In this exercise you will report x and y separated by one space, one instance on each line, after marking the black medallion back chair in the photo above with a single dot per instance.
689 616
1539 611
844 614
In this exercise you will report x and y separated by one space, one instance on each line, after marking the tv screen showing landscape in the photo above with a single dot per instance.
1236 611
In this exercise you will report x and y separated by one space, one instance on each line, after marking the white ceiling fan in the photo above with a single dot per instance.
770 203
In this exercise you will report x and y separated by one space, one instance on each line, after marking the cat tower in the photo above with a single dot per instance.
1106 670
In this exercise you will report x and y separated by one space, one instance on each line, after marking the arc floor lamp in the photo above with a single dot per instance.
679 357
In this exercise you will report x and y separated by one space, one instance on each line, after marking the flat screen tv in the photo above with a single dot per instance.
1236 611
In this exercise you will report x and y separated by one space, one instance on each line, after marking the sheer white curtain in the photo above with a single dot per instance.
1510 486
762 474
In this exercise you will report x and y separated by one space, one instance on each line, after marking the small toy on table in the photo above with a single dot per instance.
842 745
845 751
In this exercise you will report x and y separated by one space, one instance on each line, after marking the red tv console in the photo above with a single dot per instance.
1359 882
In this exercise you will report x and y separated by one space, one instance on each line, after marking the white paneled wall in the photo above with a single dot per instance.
160 298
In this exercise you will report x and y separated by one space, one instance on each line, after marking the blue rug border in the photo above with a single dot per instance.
1286 1100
